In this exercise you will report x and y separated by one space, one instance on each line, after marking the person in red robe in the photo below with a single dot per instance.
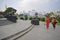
47 20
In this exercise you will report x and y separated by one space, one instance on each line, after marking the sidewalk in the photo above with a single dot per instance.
11 29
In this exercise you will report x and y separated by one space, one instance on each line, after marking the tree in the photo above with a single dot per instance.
26 17
9 10
47 15
36 15
51 14
21 16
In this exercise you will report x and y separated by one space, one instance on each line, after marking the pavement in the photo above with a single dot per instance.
41 33
7 30
38 32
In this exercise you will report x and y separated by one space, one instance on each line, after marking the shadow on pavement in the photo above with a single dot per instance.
24 33
18 33
5 22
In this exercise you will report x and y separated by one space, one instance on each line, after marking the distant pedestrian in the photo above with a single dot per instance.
54 21
47 20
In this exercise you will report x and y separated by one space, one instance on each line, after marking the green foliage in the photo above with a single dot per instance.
58 19
42 19
26 17
9 9
22 18
21 14
30 18
39 19
49 14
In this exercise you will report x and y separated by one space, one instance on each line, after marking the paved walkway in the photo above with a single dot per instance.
37 33
41 33
7 30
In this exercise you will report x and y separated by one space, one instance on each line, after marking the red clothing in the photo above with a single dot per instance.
54 20
47 20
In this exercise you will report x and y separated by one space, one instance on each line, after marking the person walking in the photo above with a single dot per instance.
47 21
54 21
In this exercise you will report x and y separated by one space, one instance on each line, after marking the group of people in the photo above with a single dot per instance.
47 21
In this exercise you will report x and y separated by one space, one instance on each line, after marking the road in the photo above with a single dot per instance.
38 32
41 33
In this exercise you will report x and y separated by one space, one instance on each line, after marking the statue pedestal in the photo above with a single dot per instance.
35 21
12 18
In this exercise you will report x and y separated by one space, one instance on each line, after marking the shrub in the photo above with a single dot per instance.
22 18
58 19
42 19
30 18
26 18
39 19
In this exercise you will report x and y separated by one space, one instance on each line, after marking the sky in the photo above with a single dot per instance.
39 5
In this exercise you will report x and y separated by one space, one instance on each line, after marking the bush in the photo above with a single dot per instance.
30 18
26 18
39 19
42 19
22 18
58 19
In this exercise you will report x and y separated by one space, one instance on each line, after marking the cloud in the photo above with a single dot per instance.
28 4
33 2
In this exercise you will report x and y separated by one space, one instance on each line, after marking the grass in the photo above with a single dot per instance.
58 23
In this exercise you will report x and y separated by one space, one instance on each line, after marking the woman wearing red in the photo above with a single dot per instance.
47 20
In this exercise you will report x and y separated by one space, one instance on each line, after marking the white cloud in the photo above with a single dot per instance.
30 4
33 2
26 4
